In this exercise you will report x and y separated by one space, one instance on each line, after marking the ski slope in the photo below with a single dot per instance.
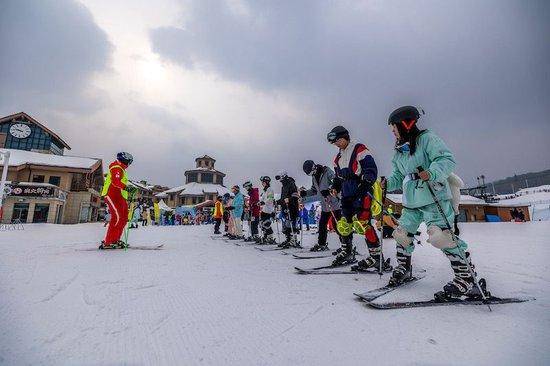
207 302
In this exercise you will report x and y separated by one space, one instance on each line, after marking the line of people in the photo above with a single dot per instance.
422 168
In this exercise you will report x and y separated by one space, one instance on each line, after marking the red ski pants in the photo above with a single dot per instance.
118 207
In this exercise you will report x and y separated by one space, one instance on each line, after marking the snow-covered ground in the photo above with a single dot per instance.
207 302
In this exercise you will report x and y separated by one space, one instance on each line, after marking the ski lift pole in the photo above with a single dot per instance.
448 226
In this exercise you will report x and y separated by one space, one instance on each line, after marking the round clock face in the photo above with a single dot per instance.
20 130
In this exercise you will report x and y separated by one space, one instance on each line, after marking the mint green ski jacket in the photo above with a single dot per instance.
434 156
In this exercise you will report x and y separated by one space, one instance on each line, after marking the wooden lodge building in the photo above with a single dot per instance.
43 184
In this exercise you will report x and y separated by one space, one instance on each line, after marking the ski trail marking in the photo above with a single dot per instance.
60 289
302 320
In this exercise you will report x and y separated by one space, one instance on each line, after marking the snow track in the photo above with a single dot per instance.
207 302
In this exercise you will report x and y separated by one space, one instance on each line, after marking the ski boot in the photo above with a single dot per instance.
285 244
249 239
463 283
319 248
337 251
372 264
346 256
400 275
294 242
269 240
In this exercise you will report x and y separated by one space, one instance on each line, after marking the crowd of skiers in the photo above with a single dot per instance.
351 194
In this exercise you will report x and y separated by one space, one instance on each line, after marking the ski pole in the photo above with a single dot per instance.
130 217
277 226
382 230
454 237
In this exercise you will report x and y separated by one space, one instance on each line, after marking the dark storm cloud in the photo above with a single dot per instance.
50 49
479 68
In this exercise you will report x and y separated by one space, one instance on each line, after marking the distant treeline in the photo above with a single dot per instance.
517 182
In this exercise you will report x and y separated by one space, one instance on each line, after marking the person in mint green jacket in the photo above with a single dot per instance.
413 149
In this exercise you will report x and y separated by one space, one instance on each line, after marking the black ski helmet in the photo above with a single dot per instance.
282 174
125 158
236 187
405 116
265 179
309 167
247 185
336 133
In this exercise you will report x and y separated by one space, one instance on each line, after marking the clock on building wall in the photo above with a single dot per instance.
20 130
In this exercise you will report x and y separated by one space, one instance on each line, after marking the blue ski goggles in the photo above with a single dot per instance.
403 148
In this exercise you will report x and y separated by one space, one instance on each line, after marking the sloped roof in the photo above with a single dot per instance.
23 114
205 157
195 189
21 157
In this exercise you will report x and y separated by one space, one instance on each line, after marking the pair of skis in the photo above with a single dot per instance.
132 247
369 296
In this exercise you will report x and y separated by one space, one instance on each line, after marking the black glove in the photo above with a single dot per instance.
364 186
273 216
337 184
229 208
325 193
303 194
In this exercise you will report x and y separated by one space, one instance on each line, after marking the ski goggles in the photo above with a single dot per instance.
332 137
403 148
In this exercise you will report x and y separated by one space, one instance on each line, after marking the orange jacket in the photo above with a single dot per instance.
218 210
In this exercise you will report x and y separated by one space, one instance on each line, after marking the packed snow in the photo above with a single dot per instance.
201 301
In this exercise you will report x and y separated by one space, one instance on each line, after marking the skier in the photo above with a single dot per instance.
416 148
226 213
304 217
253 210
289 208
321 181
237 208
115 192
218 214
356 173
267 203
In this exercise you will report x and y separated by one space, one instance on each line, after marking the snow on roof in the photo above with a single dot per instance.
194 188
464 199
525 200
21 157
141 186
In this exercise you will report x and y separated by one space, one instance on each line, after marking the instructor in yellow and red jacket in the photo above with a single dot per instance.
218 215
115 194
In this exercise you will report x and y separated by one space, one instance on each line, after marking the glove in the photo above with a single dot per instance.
229 208
325 193
261 203
273 216
303 194
364 186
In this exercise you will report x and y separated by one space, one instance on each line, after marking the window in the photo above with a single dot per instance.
191 177
56 181
38 179
207 177
41 212
20 212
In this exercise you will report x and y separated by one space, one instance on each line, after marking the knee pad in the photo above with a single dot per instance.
440 239
402 237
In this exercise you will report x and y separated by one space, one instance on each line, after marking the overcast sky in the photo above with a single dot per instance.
258 84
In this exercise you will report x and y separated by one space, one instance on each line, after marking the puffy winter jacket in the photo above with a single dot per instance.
321 183
238 205
355 170
432 155
254 198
